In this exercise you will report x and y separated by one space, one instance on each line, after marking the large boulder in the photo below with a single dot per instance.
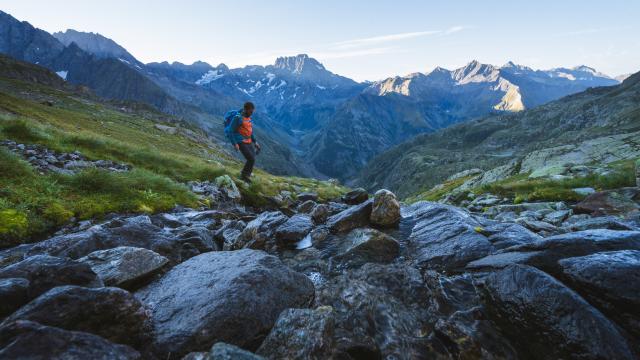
260 232
320 213
542 316
301 334
234 297
176 244
611 281
294 229
351 218
445 237
112 313
361 246
386 209
29 340
601 222
124 266
355 196
504 235
46 272
14 293
606 203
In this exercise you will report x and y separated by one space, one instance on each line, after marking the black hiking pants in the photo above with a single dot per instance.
249 154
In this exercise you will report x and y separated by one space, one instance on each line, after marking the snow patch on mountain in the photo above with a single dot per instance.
63 74
209 76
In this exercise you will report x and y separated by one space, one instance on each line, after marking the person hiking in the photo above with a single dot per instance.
242 138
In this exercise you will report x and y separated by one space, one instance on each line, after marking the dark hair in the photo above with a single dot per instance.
249 105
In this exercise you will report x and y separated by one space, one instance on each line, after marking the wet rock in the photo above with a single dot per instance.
319 235
541 316
301 334
14 255
379 311
307 206
361 246
611 281
355 196
502 260
46 272
519 208
175 244
557 217
386 209
319 214
14 293
606 203
223 351
353 217
445 237
30 340
602 222
233 297
294 229
124 266
308 196
261 230
112 313
228 189
504 235
228 234
538 226
336 207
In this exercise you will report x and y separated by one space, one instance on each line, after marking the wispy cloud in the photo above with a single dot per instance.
375 45
355 43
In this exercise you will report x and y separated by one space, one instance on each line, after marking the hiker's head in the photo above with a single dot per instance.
248 108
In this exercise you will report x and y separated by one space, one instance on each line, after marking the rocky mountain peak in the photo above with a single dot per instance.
475 72
96 44
299 64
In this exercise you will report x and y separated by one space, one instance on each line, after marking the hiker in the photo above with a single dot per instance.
240 132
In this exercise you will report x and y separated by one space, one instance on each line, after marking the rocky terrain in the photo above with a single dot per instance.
353 278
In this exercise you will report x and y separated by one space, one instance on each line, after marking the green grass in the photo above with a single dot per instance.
522 189
34 205
437 193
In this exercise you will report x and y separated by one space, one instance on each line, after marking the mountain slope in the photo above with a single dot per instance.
428 159
96 44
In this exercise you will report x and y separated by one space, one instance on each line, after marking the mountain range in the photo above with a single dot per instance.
314 122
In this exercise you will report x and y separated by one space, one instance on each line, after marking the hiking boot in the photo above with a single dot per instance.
245 179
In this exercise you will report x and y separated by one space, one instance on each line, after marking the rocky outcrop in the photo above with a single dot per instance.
14 293
109 312
233 297
606 203
386 209
294 229
301 334
29 340
124 266
542 316
361 246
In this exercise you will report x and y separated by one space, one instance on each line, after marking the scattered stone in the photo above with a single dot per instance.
261 231
308 196
602 222
30 340
319 214
307 206
355 196
228 234
45 272
112 313
538 226
557 217
386 209
542 316
354 217
301 334
294 229
585 191
124 266
606 203
233 297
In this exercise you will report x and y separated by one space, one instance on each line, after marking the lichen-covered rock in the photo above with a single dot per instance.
386 209
233 296
319 214
124 266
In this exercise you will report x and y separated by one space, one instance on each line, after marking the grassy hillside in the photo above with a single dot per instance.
32 205
417 165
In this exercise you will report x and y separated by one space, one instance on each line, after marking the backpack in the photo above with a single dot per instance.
228 118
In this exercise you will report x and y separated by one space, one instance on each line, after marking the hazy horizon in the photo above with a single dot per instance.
360 40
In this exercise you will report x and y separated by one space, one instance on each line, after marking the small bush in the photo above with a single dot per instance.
13 224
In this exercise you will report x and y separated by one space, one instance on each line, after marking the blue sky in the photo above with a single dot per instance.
358 38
